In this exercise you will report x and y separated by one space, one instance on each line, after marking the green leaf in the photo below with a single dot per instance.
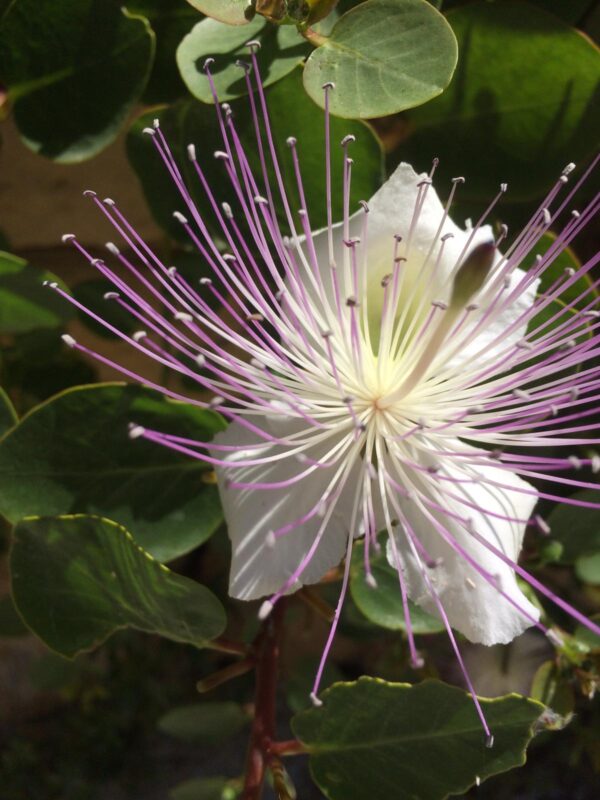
384 56
587 568
292 114
8 415
523 103
576 528
204 723
72 454
74 71
383 604
230 11
170 22
376 739
11 623
25 303
78 579
204 789
282 48
552 688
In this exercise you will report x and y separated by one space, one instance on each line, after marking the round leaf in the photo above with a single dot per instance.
204 723
72 454
282 48
233 12
74 71
383 604
404 730
523 103
77 579
384 56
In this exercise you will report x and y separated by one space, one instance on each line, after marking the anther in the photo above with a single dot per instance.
595 463
417 661
50 284
328 85
439 304
575 214
254 318
227 210
216 401
446 236
352 302
553 637
228 257
523 345
183 316
156 123
200 360
149 131
575 462
139 335
172 271
354 240
348 139
180 218
265 609
67 237
208 62
135 431
522 394
68 340
503 187
424 182
97 262
191 151
89 193
326 334
291 141
542 525
568 169
370 580
470 584
253 44
260 200
364 205
590 313
489 741
221 155
205 281
386 279
315 700
243 65
111 295
472 307
270 539
547 216
569 272
460 179
112 248
108 201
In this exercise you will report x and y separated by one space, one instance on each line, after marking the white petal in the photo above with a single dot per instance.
473 606
257 567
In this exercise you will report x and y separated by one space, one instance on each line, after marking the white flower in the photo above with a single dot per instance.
376 375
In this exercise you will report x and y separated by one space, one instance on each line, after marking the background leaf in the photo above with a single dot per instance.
376 739
229 11
72 454
292 114
525 96
78 579
577 529
8 415
383 604
74 71
383 56
204 723
25 303
282 48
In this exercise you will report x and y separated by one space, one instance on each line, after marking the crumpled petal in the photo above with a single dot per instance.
257 568
472 605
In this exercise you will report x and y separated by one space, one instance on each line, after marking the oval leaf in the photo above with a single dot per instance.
383 56
405 730
74 72
233 12
576 528
523 103
204 723
282 49
383 604
72 454
78 579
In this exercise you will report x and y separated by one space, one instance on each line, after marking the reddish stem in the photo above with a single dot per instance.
263 725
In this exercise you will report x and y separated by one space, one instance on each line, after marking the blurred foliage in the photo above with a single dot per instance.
124 721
